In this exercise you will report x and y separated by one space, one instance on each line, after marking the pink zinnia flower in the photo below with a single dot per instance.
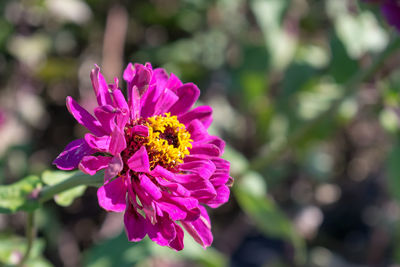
161 165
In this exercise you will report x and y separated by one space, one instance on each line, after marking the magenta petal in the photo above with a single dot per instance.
114 167
218 179
100 87
135 225
141 79
202 113
139 162
159 171
163 232
106 116
197 130
112 195
84 117
174 212
72 155
147 185
200 229
117 142
157 86
204 168
165 102
91 164
138 78
221 164
187 178
173 187
218 142
188 94
202 190
221 198
177 243
140 130
173 83
119 100
98 143
129 73
205 149
185 203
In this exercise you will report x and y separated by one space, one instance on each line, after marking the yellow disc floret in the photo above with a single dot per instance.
168 141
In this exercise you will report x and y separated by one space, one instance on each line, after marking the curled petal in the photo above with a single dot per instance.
106 116
177 243
197 130
221 198
73 153
205 149
129 73
84 117
147 185
165 102
112 195
201 113
140 130
204 168
135 225
101 144
100 87
173 82
117 142
141 79
119 100
91 164
202 190
139 162
200 229
188 95
162 172
163 232
157 86
174 212
173 187
114 167
218 179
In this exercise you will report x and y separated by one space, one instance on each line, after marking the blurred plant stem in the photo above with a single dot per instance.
350 88
30 232
48 192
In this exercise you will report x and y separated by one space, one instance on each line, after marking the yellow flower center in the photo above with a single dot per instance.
168 141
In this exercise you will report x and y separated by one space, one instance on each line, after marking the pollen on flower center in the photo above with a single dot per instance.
167 143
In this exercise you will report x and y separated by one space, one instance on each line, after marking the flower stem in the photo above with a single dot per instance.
77 179
350 88
30 236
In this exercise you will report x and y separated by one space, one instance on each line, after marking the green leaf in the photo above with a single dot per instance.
117 252
393 171
342 67
280 43
19 196
12 248
267 217
209 257
67 197
359 31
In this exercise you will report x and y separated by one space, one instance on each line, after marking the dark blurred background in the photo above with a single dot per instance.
269 68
